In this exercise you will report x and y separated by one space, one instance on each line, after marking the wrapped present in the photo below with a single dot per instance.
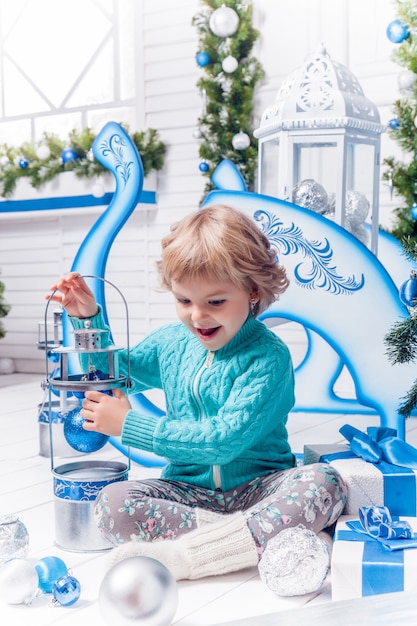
377 467
364 564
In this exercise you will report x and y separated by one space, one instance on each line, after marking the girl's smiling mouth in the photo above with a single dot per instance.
206 332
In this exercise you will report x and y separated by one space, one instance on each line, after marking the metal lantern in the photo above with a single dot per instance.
322 129
78 483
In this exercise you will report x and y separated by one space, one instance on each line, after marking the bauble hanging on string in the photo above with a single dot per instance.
413 212
230 64
80 439
394 124
23 163
397 32
241 141
408 290
224 21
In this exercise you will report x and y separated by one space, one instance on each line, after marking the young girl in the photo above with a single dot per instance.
231 482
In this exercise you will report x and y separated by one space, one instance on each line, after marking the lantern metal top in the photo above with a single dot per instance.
320 94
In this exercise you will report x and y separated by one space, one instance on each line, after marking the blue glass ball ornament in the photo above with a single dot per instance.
413 212
408 291
69 154
203 167
66 590
50 569
53 357
397 32
394 123
82 440
202 59
23 163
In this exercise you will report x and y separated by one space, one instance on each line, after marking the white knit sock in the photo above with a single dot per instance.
218 548
205 516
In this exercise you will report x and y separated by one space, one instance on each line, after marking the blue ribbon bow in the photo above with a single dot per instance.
380 444
377 523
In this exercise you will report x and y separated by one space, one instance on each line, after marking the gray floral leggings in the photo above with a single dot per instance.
312 496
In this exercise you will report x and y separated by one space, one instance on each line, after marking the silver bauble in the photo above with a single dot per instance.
295 562
138 590
311 195
18 581
224 22
406 80
356 207
241 141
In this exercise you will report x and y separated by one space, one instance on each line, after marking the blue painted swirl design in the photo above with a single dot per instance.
319 273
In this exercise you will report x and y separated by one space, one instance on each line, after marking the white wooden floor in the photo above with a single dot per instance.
26 489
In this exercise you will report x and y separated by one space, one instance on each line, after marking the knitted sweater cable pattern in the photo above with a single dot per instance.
226 411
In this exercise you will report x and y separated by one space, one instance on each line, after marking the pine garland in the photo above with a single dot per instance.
4 309
402 176
229 96
43 170
401 340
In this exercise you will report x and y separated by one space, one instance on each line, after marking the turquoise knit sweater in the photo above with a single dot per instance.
226 411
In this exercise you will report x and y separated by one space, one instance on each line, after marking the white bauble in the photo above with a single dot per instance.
406 80
230 64
224 22
43 152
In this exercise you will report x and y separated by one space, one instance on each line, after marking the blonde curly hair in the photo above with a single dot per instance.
221 243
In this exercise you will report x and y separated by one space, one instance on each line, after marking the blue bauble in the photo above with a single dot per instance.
203 167
49 569
68 154
23 163
82 440
394 123
408 291
397 32
202 59
413 212
66 590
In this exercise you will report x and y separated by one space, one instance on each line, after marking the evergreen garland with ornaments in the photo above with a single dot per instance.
42 161
401 340
402 176
229 77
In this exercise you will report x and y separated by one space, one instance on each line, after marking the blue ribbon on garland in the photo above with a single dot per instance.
392 456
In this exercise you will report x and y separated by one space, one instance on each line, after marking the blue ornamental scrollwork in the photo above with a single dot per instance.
318 273
115 146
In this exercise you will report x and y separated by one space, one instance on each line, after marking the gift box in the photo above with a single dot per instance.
362 566
368 483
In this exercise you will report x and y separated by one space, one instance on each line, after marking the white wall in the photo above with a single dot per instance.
36 248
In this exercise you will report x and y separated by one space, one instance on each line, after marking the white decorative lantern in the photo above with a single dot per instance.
322 127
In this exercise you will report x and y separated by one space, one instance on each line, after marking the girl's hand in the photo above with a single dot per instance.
74 295
105 413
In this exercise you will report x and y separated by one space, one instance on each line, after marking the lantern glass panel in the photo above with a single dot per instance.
317 161
269 167
360 170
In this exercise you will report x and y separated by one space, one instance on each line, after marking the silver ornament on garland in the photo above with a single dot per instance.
224 21
241 141
295 562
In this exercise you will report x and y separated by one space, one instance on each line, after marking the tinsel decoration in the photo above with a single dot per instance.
229 94
42 161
